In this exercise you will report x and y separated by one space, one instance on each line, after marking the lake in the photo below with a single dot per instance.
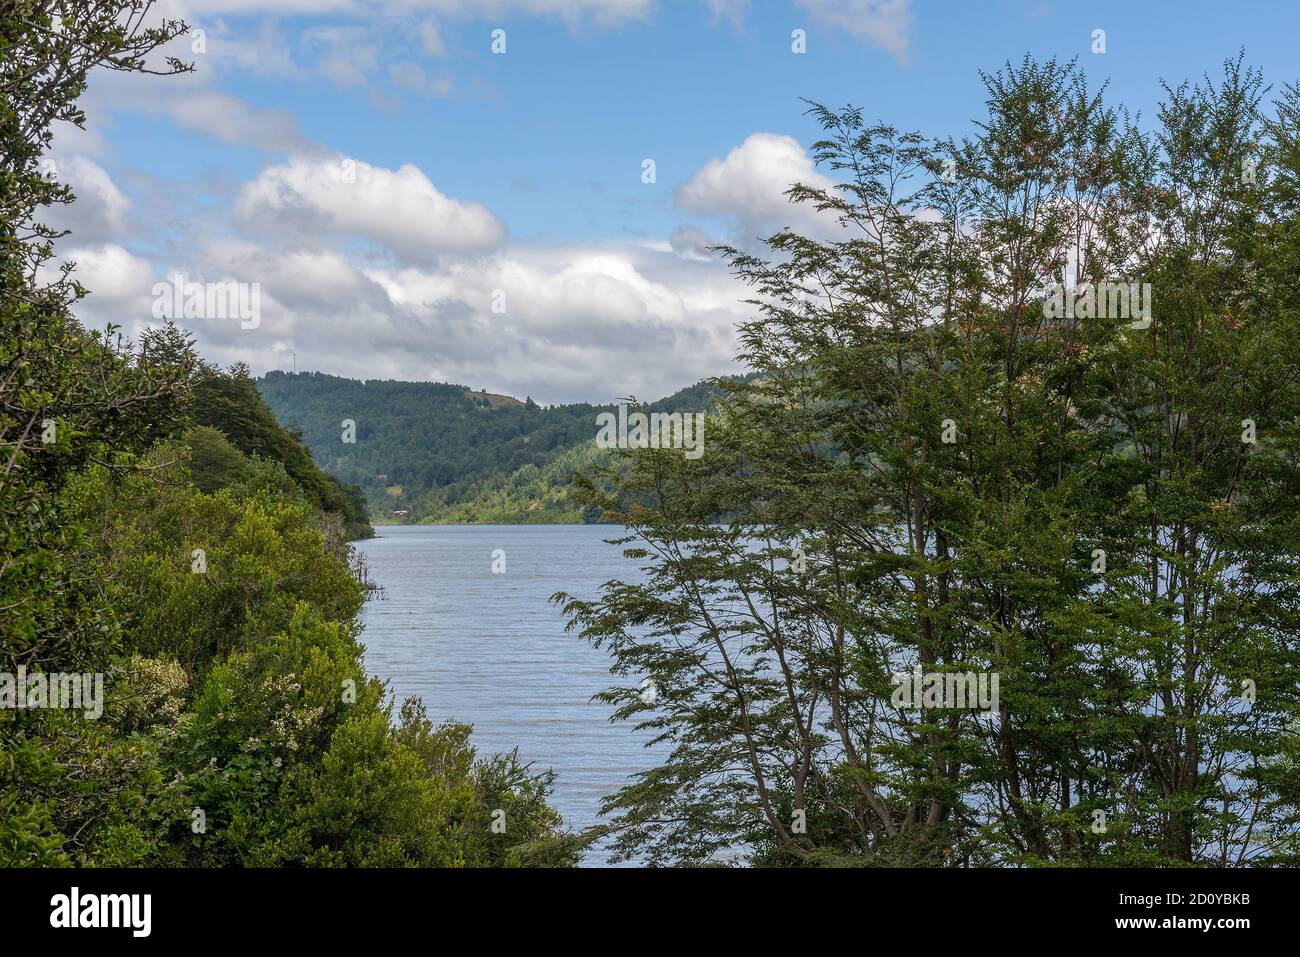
490 649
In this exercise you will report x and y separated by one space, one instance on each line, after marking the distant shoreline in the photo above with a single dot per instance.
392 524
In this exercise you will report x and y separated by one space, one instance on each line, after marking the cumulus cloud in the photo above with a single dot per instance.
375 272
401 210
886 23
748 186
580 323
117 279
101 209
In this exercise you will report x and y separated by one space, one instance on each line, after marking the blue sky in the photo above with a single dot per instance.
476 172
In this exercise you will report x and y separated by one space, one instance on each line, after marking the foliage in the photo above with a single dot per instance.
230 402
158 527
446 454
924 475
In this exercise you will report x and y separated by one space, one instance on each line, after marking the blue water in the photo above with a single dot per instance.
490 649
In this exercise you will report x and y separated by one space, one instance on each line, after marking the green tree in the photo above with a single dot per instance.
159 527
66 397
924 475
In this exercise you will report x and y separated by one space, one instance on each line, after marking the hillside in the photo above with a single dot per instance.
234 438
437 452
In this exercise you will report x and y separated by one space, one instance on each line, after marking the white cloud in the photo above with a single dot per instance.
600 12
260 53
408 76
581 323
192 100
235 121
733 10
101 209
284 7
400 210
748 185
883 22
351 54
119 282
431 39
189 103
693 244
591 321
342 73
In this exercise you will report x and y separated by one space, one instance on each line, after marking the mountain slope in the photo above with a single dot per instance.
231 422
436 452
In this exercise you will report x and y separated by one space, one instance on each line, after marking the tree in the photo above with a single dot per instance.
942 470
65 396
190 553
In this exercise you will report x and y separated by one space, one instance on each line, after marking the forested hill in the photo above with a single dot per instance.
445 453
234 435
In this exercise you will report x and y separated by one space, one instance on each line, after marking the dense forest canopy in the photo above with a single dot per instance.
441 452
230 403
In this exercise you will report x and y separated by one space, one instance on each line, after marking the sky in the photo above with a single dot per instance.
412 203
